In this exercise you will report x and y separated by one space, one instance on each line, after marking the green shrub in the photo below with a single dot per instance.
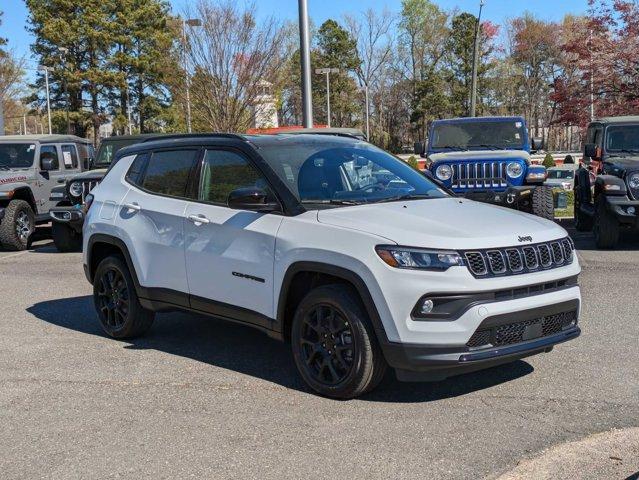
412 161
549 161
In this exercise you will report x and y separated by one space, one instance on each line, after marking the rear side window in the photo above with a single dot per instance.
167 172
135 170
69 157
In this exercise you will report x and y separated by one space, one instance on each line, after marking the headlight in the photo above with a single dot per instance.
444 172
416 258
75 189
514 170
633 181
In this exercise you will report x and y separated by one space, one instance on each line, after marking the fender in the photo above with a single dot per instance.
342 273
18 190
609 185
582 186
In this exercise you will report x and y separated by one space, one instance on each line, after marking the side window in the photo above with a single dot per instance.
590 135
50 151
69 157
597 140
167 172
135 170
224 171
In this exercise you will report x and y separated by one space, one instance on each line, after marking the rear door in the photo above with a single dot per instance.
152 216
230 253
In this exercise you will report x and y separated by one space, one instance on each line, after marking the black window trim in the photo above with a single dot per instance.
77 156
58 152
149 155
198 176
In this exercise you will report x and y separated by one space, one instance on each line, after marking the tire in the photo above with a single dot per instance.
116 302
65 238
583 222
334 345
606 226
543 203
17 226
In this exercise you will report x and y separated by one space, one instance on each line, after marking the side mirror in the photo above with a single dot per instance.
537 144
251 198
590 151
49 163
419 148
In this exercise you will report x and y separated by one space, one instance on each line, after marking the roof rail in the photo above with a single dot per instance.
177 136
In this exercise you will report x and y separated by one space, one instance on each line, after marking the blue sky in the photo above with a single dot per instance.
15 13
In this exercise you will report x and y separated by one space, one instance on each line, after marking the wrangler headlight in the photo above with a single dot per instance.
444 172
514 170
633 181
75 189
419 259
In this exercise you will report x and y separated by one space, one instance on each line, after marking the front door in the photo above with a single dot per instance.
230 253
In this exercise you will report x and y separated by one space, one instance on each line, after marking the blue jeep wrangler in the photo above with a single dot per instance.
488 159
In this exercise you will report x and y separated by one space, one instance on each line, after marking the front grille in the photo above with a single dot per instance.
512 333
87 186
469 175
517 260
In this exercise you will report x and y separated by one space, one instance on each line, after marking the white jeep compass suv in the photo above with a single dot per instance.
333 245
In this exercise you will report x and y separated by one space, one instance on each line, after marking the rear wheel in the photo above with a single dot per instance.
606 226
543 202
116 302
334 345
65 238
17 226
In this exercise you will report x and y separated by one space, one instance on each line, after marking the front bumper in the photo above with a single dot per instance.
509 197
415 362
72 216
619 206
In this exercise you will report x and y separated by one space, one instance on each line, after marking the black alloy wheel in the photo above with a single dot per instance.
327 345
113 298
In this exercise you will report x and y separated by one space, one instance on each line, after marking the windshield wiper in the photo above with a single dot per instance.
332 202
405 196
626 151
455 147
483 145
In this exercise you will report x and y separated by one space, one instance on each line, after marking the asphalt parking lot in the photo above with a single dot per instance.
208 399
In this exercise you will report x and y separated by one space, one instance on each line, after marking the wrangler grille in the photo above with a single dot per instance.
87 186
517 260
479 175
511 333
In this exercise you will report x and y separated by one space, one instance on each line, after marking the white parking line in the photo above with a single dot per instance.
13 255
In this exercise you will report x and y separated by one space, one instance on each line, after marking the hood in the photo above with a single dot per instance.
627 163
96 174
447 223
9 177
477 155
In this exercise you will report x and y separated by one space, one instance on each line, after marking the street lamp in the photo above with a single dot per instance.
46 71
191 22
327 72
63 56
473 91
305 64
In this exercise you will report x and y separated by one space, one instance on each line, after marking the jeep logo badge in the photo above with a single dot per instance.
527 238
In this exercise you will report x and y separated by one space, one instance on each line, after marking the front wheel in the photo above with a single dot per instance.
65 238
606 227
116 301
17 226
543 202
334 345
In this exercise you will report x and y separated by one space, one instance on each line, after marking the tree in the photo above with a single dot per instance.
336 48
549 161
11 75
232 54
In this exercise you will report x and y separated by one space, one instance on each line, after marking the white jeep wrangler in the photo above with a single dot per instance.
331 244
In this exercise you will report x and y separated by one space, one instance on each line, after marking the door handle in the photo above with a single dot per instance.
132 206
201 219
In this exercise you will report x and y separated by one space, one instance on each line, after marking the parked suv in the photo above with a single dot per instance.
67 216
30 167
610 203
330 243
488 159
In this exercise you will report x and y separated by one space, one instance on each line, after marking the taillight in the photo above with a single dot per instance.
88 200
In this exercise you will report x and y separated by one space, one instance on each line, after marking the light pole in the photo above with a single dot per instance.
473 88
63 55
305 64
327 72
191 22
46 71
367 110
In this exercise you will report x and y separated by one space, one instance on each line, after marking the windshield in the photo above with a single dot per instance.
345 173
108 149
622 138
561 174
16 155
478 135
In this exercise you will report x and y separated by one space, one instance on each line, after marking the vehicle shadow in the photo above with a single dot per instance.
628 241
250 352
